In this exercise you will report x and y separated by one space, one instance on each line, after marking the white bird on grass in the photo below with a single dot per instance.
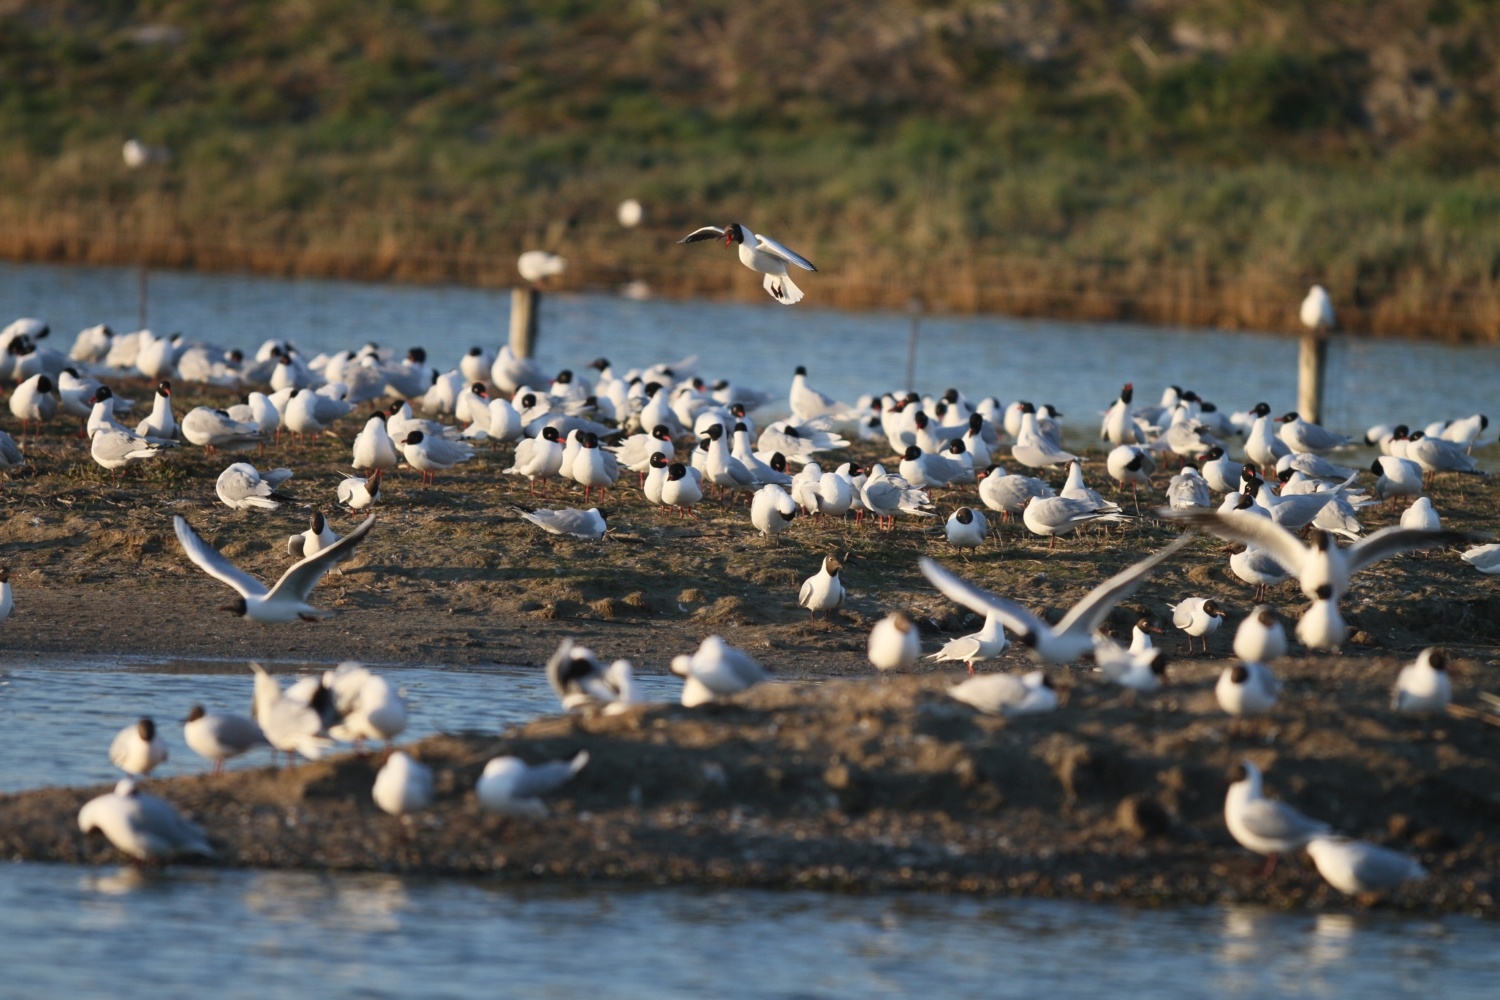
761 254
824 590
1247 689
1260 637
213 429
356 493
1072 637
1420 516
143 826
433 455
243 487
512 787
1198 616
772 510
590 525
966 529
716 670
285 602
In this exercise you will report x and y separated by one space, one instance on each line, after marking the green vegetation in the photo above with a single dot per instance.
1184 160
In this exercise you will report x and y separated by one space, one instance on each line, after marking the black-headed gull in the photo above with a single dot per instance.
1260 637
894 643
33 402
402 785
143 826
219 736
1198 616
213 429
1007 694
1423 686
136 749
115 450
589 525
988 643
1070 638
759 253
1264 825
1355 866
1302 436
1247 689
966 529
369 706
513 787
824 590
285 602
356 493
294 722
243 487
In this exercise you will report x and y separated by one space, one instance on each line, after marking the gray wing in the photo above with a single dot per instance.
955 588
791 256
165 825
294 545
706 233
1090 612
1388 542
539 779
1274 820
238 732
215 565
1246 529
303 576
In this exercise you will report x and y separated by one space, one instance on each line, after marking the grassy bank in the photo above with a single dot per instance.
1188 162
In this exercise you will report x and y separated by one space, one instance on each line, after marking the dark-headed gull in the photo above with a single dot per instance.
285 602
143 826
894 643
1070 638
1423 686
759 253
1264 825
824 590
136 750
218 737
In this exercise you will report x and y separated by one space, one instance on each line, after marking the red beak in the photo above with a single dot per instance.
728 238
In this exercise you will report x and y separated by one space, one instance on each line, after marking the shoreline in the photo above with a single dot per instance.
884 784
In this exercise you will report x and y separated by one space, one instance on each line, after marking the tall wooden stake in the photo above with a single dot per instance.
525 303
1312 365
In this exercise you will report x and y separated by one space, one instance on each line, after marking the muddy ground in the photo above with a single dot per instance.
450 575
873 784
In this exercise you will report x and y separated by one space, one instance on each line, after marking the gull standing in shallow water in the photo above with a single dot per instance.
513 787
143 826
1264 825
285 602
1070 638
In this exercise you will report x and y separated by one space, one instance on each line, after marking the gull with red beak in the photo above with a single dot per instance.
762 254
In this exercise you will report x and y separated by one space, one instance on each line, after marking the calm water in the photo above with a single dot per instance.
112 932
61 721
1079 367
118 933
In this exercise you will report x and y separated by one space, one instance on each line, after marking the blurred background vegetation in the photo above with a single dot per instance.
1197 161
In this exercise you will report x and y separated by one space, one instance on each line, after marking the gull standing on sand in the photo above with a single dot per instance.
213 429
1007 694
894 643
761 254
1356 866
1072 637
402 785
1247 689
220 736
1423 686
431 455
716 670
243 487
1032 449
315 539
143 826
1264 825
1198 616
285 602
116 450
772 510
824 590
1260 637
986 644
512 787
1396 477
682 490
136 749
373 447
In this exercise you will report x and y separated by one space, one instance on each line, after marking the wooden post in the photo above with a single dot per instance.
525 303
1312 365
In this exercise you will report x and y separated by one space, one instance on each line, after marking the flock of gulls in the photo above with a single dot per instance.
683 441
